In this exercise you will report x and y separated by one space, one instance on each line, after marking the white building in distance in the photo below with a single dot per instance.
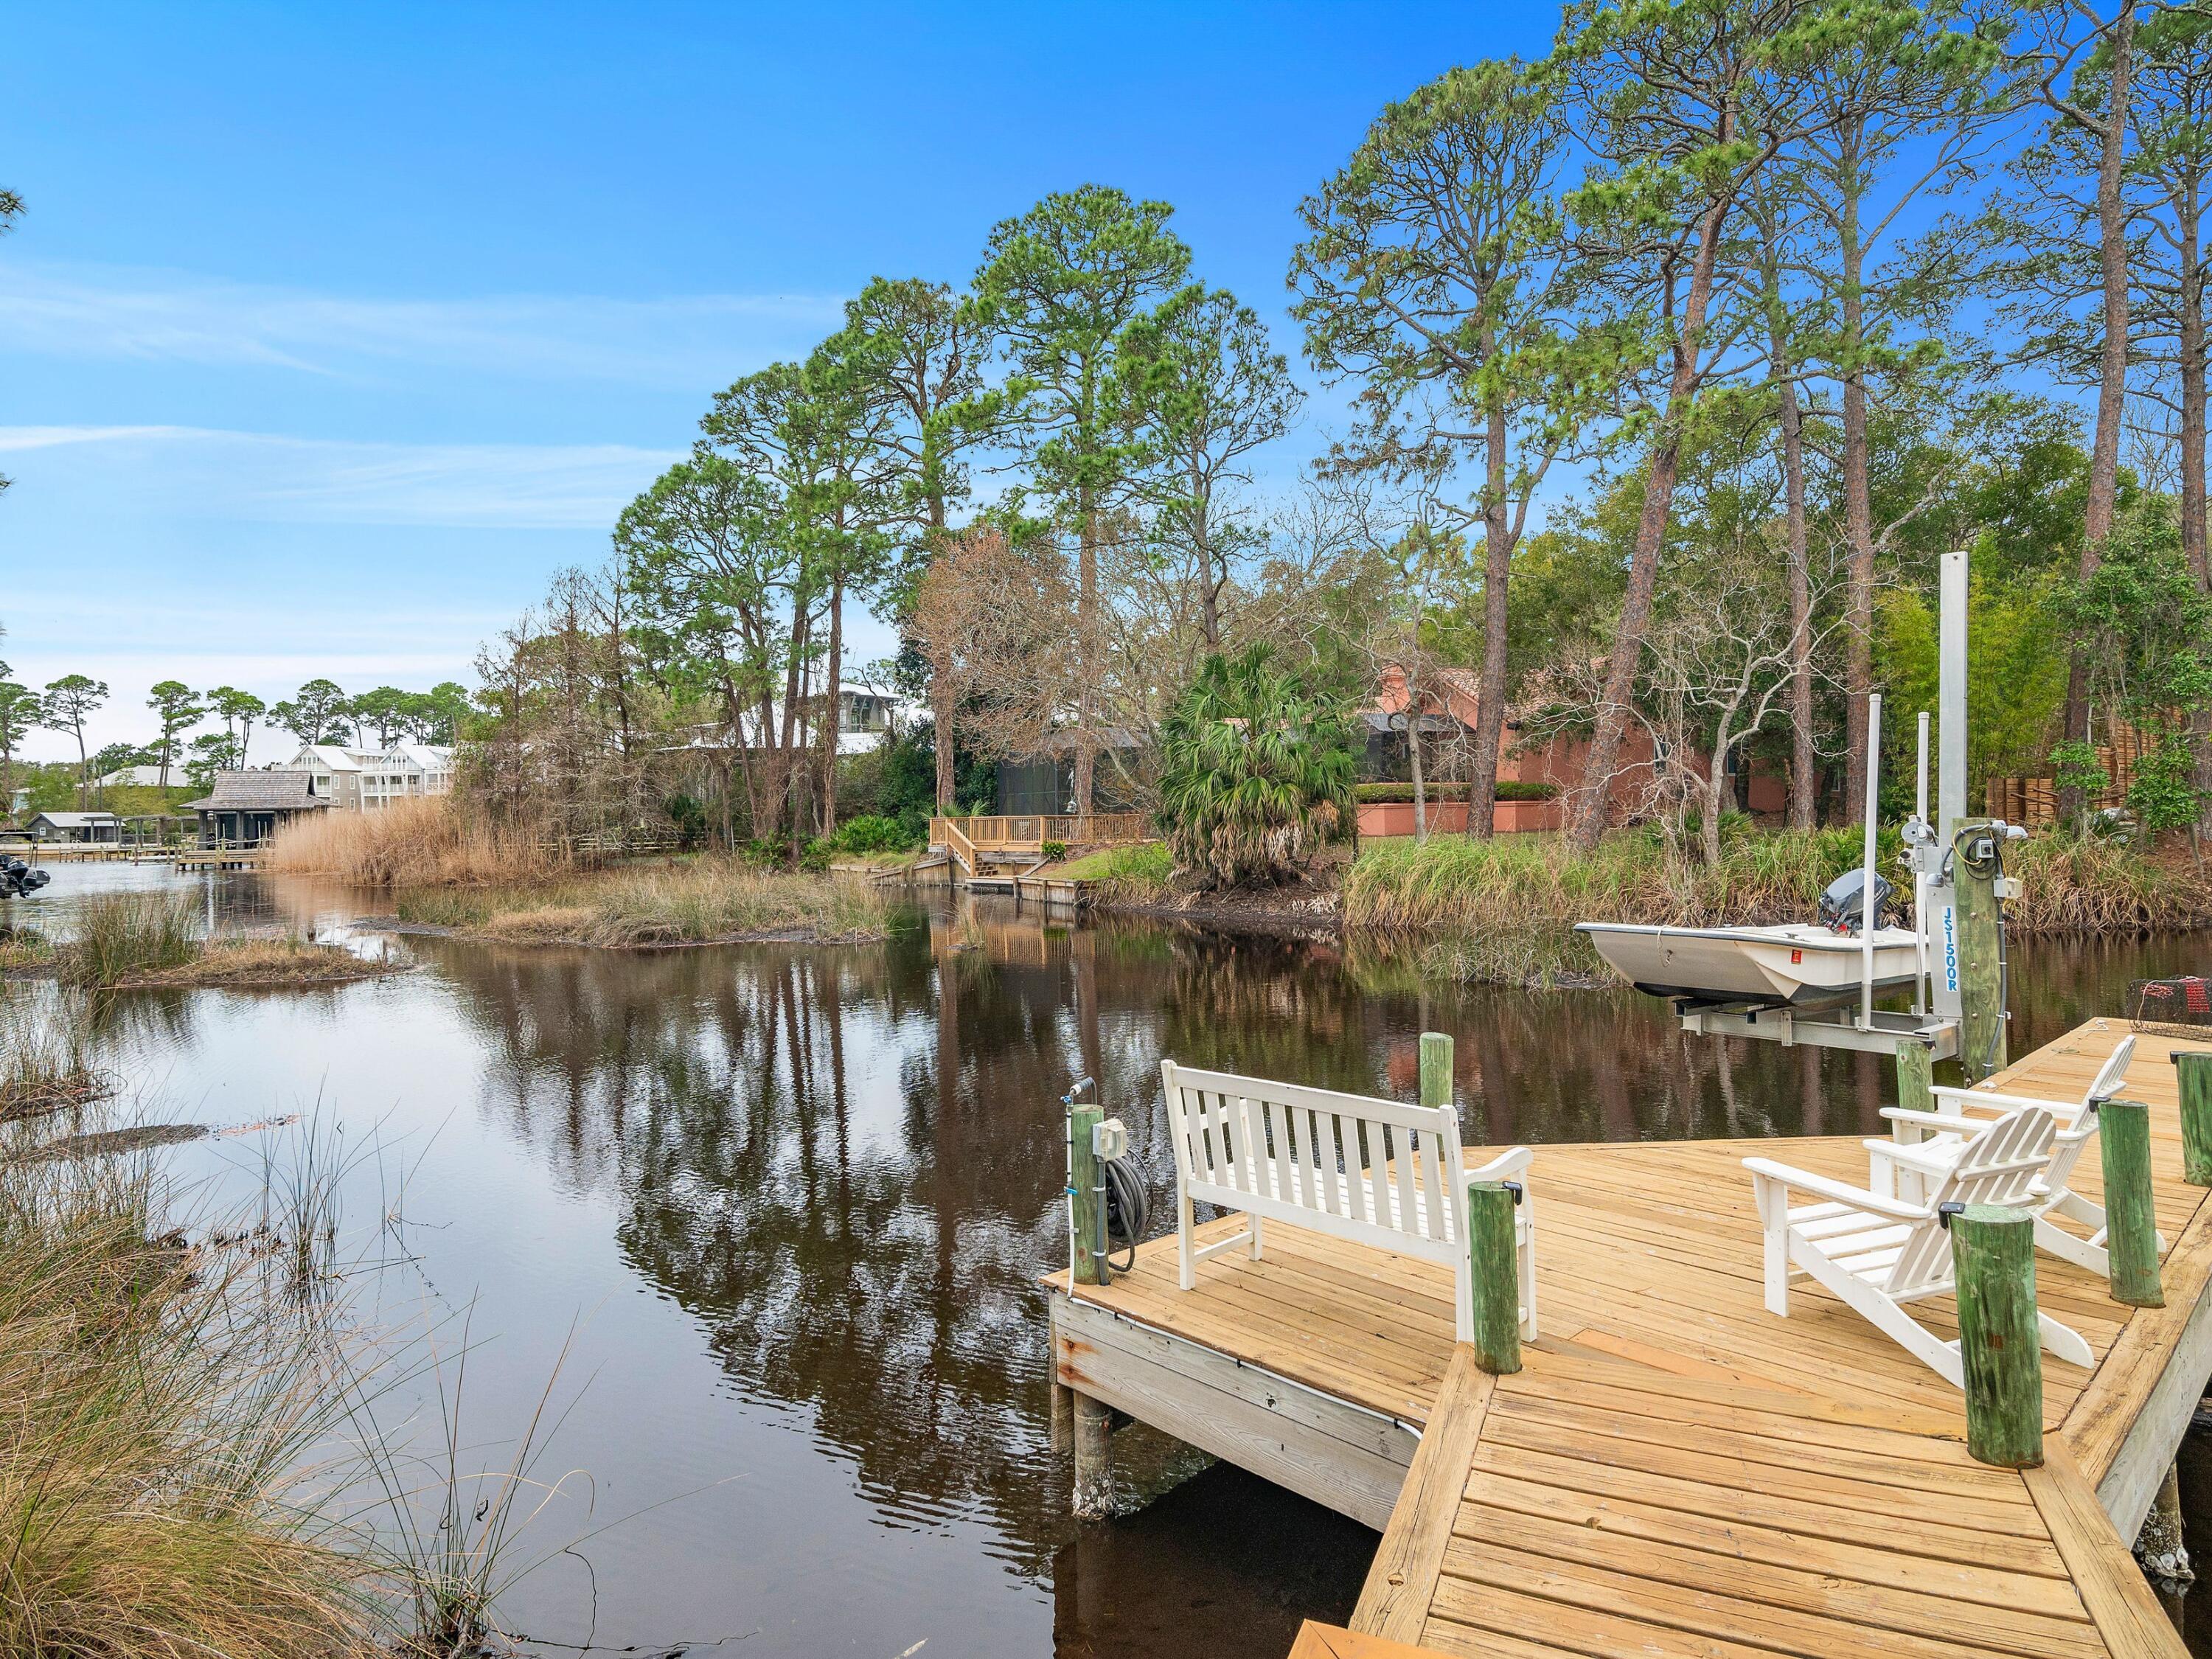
369 780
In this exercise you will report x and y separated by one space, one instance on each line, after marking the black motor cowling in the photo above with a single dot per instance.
18 879
1843 907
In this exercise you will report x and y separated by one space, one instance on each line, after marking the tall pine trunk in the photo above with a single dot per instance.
1086 616
1858 493
2112 372
1497 572
1591 810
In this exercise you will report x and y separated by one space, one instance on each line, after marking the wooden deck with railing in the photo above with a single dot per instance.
1676 1470
976 845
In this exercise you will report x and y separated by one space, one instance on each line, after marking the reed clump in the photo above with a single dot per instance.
2101 885
709 901
422 842
45 1058
127 936
153 1415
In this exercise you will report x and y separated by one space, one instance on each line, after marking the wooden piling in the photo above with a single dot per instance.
1093 1458
1497 1277
1091 1429
1086 1194
1981 974
2000 1348
1916 1077
1436 1068
2130 1217
2193 1074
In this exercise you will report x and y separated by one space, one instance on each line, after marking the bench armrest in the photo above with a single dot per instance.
1840 1192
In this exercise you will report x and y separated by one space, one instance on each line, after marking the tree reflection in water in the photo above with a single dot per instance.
847 1165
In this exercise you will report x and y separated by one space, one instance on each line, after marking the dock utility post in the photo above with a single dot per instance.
1093 1496
2130 1217
1977 866
1993 1257
2192 1073
1496 1275
1435 1069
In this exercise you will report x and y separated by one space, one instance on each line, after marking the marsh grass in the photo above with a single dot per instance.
123 936
422 841
702 902
247 963
24 949
1503 910
45 1061
158 1404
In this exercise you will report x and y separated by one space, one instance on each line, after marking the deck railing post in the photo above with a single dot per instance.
2000 1347
1436 1068
2192 1071
1497 1277
2131 1214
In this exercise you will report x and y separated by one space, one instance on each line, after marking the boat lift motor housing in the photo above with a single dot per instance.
1843 907
19 880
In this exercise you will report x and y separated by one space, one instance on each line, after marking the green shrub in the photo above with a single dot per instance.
1256 774
870 834
1056 850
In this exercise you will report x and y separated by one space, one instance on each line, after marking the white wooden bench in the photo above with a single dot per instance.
1373 1171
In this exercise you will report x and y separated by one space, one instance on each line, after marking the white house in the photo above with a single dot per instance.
368 780
138 777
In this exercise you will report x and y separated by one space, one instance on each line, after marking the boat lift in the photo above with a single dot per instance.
1816 984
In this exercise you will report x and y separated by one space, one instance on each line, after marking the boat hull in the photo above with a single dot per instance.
1774 966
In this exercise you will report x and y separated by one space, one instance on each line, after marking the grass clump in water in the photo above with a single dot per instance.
123 936
2100 885
705 901
46 1063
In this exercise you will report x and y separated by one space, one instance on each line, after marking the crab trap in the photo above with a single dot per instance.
2180 1006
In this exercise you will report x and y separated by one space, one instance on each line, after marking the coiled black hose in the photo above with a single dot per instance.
1128 1208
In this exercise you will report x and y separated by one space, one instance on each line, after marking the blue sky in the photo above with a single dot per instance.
332 333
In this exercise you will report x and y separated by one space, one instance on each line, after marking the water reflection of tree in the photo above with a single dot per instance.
847 1164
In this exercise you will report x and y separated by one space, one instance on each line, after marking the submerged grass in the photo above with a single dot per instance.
705 901
46 1063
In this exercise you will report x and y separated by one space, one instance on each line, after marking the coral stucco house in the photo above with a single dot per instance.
1449 705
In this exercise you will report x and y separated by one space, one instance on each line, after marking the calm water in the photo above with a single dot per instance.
783 1211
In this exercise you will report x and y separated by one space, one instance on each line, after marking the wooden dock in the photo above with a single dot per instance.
1676 1470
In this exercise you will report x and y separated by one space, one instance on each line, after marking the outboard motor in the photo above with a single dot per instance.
1843 907
18 879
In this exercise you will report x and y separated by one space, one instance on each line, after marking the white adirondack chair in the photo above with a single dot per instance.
1926 1144
1877 1252
1374 1172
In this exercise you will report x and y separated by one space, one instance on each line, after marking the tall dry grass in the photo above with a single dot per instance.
1504 910
422 841
698 902
122 936
156 1405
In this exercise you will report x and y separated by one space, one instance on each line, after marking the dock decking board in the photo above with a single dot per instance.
1677 1471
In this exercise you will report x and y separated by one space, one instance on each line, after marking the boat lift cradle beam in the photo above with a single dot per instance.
1835 1026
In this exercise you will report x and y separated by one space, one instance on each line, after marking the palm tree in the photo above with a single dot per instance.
1257 773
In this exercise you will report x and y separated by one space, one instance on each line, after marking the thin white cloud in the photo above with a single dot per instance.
200 471
682 341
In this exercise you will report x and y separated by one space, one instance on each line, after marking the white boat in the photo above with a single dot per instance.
1797 963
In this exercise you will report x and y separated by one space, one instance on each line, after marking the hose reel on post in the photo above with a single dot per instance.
1108 1201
